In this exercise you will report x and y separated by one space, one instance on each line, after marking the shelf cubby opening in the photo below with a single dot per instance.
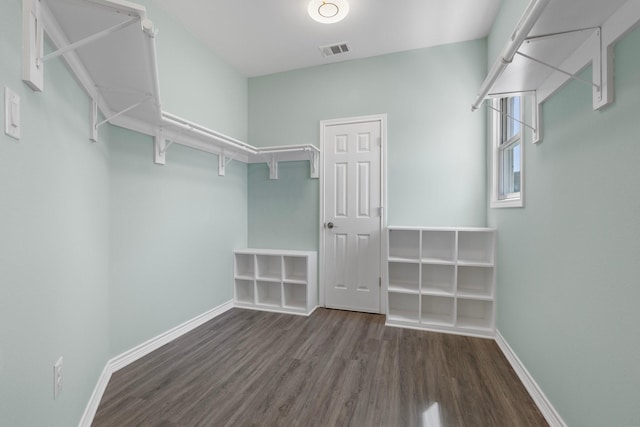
295 295
475 247
403 308
269 267
245 265
437 310
475 281
268 293
438 246
404 244
244 291
475 314
295 269
404 277
438 279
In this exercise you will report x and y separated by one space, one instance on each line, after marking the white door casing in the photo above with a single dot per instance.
352 200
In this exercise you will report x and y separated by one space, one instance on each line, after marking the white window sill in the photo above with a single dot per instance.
507 203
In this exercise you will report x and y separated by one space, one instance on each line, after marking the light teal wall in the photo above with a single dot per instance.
283 213
173 228
436 157
172 232
53 245
100 249
568 287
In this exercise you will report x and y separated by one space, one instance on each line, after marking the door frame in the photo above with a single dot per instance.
382 118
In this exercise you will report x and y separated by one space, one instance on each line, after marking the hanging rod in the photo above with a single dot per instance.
287 149
528 20
560 70
171 120
512 118
87 40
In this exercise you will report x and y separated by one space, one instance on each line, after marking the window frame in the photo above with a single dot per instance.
500 145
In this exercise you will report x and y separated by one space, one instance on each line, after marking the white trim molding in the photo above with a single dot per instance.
139 351
542 402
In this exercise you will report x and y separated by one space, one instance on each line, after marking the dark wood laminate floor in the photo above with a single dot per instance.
334 368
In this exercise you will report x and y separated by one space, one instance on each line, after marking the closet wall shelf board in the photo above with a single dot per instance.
552 43
110 47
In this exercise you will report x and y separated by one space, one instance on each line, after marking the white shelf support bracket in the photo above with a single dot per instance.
119 113
314 163
603 64
160 147
32 45
273 168
560 70
86 40
223 161
222 164
537 120
512 118
93 121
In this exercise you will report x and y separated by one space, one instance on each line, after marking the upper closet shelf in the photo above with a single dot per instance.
110 47
555 40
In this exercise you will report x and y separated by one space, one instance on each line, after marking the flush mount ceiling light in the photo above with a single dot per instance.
328 11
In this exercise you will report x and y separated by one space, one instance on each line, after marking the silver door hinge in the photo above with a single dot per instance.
380 281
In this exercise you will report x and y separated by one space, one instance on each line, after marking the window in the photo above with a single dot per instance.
508 151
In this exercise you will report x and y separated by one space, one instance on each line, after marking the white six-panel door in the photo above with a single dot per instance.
352 215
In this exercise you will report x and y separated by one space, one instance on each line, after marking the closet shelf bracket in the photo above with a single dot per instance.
560 70
87 40
273 168
314 163
273 155
223 161
511 117
93 117
536 129
160 147
126 110
32 44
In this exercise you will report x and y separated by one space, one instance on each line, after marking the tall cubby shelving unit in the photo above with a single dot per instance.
442 279
274 280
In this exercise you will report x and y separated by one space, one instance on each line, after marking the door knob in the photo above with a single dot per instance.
330 225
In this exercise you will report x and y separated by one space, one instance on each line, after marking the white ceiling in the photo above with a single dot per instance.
259 37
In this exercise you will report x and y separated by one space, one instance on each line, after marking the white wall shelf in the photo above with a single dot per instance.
442 279
110 47
275 280
552 43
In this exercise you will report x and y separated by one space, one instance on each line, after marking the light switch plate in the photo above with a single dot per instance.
11 113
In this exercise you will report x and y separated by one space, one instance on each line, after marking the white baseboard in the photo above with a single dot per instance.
544 405
130 356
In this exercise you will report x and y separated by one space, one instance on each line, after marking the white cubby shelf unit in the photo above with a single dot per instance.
276 280
442 279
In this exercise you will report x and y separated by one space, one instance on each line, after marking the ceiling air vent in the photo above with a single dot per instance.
334 49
